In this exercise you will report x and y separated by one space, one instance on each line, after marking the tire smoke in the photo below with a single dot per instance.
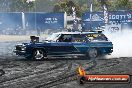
122 43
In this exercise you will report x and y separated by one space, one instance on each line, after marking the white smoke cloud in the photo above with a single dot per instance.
30 1
122 43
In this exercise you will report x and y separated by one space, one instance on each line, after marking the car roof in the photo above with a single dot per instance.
76 33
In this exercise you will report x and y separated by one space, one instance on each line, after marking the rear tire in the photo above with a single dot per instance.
93 53
39 54
2 72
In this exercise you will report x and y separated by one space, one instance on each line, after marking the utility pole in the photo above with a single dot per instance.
35 6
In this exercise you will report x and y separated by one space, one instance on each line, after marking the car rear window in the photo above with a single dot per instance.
97 37
78 38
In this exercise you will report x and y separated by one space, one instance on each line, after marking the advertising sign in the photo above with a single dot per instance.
10 20
124 18
44 20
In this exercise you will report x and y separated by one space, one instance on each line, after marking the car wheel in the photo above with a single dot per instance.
39 54
2 72
93 53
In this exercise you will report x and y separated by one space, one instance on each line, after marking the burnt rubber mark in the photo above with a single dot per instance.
64 78
93 65
61 79
2 72
26 75
108 64
56 81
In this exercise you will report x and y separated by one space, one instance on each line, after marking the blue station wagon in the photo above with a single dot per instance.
89 44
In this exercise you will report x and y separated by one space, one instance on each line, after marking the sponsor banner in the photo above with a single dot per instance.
10 20
44 20
120 16
115 17
114 28
33 21
96 16
92 20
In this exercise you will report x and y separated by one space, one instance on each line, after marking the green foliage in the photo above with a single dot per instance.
66 6
22 5
57 8
62 5
80 5
97 6
83 5
121 4
129 5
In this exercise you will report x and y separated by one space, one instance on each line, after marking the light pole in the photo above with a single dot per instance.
35 3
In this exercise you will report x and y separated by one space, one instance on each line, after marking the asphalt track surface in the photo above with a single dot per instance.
57 72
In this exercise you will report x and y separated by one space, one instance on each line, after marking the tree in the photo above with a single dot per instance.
56 8
22 5
66 6
120 5
5 5
129 5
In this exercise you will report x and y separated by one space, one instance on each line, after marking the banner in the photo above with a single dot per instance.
10 21
115 17
45 20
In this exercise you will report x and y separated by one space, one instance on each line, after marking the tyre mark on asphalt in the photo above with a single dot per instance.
56 80
39 75
60 79
26 75
107 64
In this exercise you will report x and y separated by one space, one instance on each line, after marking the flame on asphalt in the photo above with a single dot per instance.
81 71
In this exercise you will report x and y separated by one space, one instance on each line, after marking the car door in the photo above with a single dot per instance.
80 43
63 45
